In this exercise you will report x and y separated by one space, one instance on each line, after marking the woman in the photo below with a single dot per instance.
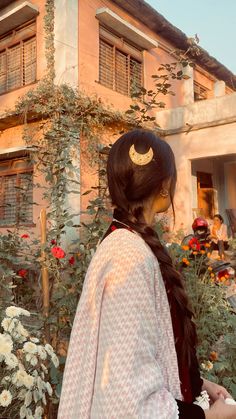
132 347
218 235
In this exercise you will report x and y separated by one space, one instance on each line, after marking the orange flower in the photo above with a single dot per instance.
195 253
209 268
186 261
213 356
212 275
207 245
185 247
203 252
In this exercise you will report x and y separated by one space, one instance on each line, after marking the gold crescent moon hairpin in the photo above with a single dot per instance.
140 159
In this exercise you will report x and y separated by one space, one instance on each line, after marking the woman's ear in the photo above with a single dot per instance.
166 184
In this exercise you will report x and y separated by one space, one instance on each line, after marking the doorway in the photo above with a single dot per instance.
206 194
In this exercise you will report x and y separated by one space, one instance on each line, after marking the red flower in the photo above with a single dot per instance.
53 241
113 228
72 260
23 273
194 244
58 252
25 236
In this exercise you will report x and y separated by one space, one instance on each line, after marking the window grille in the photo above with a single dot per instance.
16 192
120 64
200 92
18 59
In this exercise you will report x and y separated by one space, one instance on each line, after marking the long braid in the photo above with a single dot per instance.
171 277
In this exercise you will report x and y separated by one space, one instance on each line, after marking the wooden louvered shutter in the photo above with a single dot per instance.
135 75
3 71
1 198
25 198
121 72
106 64
29 61
10 199
14 67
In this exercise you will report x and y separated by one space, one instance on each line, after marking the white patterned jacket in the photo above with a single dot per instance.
122 362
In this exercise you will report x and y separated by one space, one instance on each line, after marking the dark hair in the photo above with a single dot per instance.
130 186
220 217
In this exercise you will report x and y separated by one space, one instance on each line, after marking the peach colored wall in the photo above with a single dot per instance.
8 100
89 56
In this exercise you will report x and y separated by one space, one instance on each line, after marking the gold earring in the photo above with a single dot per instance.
164 193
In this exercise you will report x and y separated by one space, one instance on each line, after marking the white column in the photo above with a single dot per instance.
188 89
219 88
66 42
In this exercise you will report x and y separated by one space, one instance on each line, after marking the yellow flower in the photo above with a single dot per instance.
212 275
209 268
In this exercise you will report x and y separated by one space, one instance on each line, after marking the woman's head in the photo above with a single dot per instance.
141 168
218 220
141 172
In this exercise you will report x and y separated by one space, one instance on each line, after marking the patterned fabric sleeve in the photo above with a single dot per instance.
129 383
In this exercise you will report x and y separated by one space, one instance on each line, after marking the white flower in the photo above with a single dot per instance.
22 331
23 412
49 349
6 344
14 311
44 368
208 365
34 360
49 388
28 398
35 340
55 360
8 324
21 378
41 351
5 398
12 361
38 412
30 347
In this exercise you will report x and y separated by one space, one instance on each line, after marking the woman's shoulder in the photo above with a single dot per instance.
124 242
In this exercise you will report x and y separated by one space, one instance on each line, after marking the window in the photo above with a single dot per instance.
200 92
18 58
120 64
16 192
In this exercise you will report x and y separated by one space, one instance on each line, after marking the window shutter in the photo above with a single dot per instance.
29 61
106 64
16 192
135 75
14 67
120 64
25 200
3 71
1 198
10 200
121 72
